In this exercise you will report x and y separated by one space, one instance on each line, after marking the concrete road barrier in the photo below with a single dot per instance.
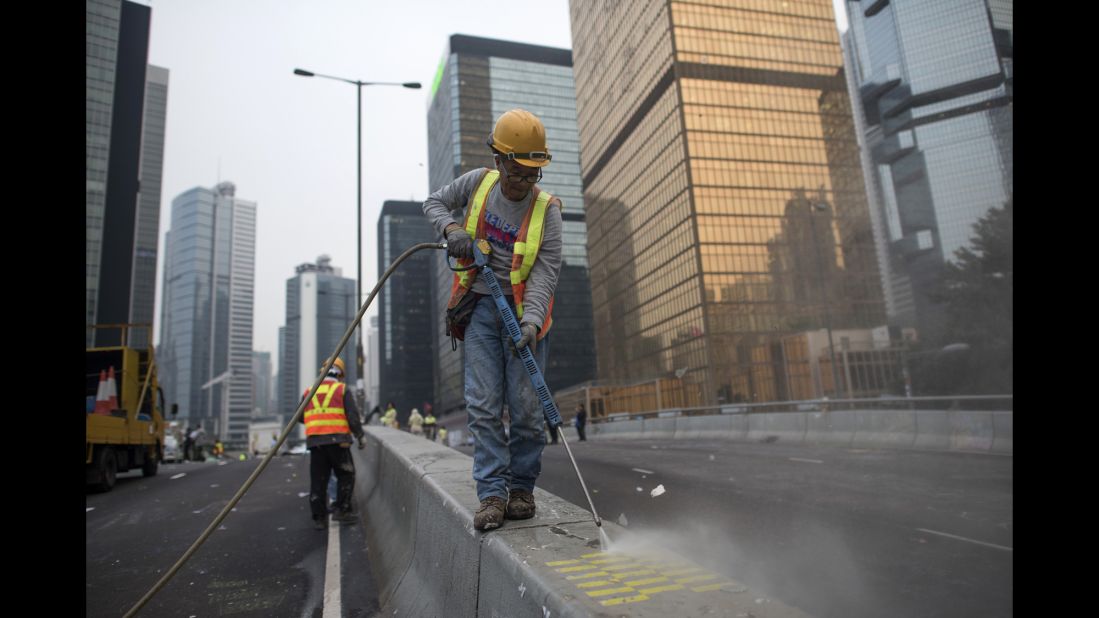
884 428
784 427
712 427
1002 432
932 430
833 428
970 430
659 428
909 429
416 500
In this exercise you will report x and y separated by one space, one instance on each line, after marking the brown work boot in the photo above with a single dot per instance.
490 515
520 504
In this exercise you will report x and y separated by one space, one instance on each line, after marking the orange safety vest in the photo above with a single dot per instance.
327 417
524 252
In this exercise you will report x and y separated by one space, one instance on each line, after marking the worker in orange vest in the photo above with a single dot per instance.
330 418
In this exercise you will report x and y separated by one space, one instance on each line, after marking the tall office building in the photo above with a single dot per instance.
320 306
278 403
478 80
126 103
205 351
147 224
261 385
727 217
933 83
404 310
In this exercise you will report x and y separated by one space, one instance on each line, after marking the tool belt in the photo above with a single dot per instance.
459 316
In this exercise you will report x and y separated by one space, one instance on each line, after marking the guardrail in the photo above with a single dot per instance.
956 402
960 423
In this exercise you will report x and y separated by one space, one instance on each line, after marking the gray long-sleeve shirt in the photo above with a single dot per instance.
503 218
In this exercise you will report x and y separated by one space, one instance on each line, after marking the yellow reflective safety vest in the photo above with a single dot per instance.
324 414
525 250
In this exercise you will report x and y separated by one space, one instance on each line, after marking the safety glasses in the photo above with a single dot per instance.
529 156
532 179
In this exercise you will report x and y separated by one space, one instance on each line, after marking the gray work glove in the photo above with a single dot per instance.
459 244
530 337
362 442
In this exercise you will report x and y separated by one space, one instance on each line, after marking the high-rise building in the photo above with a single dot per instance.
147 224
478 80
126 104
933 85
261 385
725 205
205 353
278 403
405 317
320 306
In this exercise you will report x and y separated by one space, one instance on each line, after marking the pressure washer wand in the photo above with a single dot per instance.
481 249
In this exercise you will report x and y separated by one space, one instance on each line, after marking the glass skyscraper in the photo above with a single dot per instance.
206 315
404 310
147 224
478 80
934 85
320 306
726 210
125 108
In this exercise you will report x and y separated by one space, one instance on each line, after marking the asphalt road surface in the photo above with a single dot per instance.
833 531
265 559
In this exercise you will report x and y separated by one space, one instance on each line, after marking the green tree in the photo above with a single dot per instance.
977 290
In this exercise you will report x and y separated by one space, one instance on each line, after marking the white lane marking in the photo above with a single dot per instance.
805 460
178 476
90 508
332 599
643 471
962 538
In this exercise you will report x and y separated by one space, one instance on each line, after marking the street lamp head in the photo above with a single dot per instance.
411 84
303 72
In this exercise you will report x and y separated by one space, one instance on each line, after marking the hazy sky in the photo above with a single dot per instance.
237 112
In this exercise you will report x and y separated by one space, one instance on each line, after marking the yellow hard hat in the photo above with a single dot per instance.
520 136
338 365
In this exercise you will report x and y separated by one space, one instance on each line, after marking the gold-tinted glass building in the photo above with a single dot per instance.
727 214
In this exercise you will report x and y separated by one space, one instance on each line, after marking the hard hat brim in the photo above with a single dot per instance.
529 163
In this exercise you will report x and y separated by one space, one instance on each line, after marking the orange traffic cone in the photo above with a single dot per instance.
101 395
112 389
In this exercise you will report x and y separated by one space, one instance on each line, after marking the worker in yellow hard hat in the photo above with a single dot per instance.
330 418
504 206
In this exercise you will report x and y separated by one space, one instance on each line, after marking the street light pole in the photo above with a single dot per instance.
359 204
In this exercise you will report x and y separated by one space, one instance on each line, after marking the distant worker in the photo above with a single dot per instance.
390 417
522 223
330 418
219 449
442 436
416 423
581 420
429 423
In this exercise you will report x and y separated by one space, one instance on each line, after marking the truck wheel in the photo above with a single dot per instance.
107 466
149 467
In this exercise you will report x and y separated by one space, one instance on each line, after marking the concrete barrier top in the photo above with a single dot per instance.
550 565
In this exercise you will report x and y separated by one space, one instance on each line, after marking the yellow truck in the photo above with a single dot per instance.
124 421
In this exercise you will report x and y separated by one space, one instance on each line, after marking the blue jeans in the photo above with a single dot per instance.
493 376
